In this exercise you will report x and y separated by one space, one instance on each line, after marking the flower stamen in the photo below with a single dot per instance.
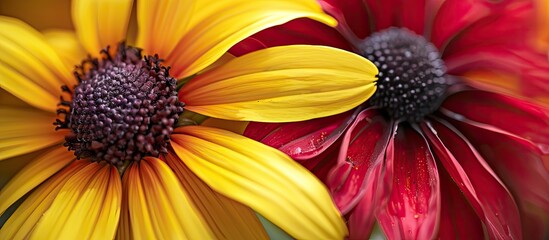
411 80
123 109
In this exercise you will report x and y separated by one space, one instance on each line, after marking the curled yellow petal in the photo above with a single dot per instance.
158 205
282 84
262 178
215 26
101 23
225 217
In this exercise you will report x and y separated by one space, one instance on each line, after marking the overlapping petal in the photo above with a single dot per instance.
87 206
260 177
302 75
157 204
302 140
101 23
365 169
34 174
225 217
67 45
218 25
520 164
505 113
454 16
458 219
413 210
29 67
488 196
502 24
299 31
354 16
162 24
24 220
361 164
26 129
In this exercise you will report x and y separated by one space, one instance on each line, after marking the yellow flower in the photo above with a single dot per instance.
139 174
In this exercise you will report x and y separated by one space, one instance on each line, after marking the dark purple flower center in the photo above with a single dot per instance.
123 109
411 79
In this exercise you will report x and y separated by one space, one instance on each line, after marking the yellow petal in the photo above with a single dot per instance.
34 174
158 206
226 218
216 26
24 130
87 206
29 67
124 231
21 224
262 178
227 57
68 46
161 24
281 84
101 23
109 216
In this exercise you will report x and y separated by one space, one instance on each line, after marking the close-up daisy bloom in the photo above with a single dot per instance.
455 141
112 146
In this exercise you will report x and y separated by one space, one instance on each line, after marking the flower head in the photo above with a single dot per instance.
137 165
449 144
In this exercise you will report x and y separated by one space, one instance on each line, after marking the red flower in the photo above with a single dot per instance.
442 149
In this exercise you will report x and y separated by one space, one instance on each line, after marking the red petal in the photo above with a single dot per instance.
323 163
301 140
413 209
362 17
383 12
352 15
505 24
509 114
535 223
412 15
279 135
378 187
360 163
527 68
519 163
452 17
488 196
299 31
259 131
458 220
